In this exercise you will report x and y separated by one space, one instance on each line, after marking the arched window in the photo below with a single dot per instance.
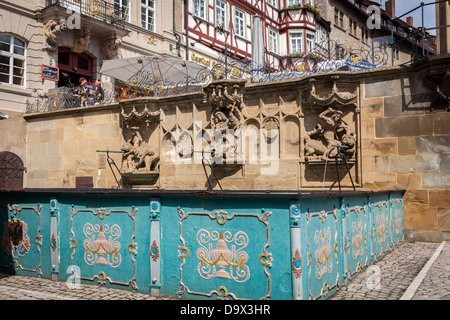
12 60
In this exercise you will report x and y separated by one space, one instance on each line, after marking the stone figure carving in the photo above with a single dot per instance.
227 107
320 142
111 48
54 29
138 155
81 42
226 114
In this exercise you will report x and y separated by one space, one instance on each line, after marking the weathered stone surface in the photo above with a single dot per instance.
379 181
409 180
406 145
402 163
381 164
440 198
436 180
381 87
403 126
443 216
416 197
403 105
372 108
379 147
441 123
420 217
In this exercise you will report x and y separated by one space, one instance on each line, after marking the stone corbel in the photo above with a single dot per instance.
54 29
111 48
81 42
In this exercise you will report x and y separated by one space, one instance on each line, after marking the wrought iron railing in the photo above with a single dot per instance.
332 56
96 9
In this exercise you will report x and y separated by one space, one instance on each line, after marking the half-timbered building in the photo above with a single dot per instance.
216 28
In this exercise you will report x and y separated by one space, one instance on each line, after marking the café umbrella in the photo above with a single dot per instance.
154 72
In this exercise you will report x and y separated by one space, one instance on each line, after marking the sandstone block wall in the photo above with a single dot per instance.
405 145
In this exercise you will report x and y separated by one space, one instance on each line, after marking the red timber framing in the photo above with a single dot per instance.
282 19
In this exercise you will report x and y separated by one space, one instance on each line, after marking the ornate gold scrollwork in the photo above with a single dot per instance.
185 250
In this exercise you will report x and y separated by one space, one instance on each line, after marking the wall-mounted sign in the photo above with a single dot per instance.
50 73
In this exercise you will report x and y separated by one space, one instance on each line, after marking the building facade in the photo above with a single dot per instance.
216 28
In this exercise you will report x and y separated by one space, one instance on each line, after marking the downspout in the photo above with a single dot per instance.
177 36
186 16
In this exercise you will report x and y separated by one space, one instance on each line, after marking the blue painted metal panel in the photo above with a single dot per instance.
199 246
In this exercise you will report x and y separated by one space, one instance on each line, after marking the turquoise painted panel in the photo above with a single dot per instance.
106 241
199 246
253 234
380 225
356 225
321 247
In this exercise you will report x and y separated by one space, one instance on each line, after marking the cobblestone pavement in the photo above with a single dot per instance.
32 288
388 279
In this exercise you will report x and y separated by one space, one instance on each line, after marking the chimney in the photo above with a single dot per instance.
390 8
410 21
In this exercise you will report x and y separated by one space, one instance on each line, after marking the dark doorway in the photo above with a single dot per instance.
11 171
72 66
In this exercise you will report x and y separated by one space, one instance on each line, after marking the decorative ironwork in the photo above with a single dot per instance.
96 9
146 82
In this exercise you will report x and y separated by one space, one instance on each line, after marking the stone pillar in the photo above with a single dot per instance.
443 35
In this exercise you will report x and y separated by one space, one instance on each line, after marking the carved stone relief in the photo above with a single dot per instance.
53 30
111 48
330 124
140 155
81 42
226 98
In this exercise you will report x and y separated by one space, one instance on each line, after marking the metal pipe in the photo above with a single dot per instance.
186 17
423 30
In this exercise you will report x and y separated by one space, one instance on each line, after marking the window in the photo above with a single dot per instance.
310 2
353 27
239 23
273 40
221 13
321 36
296 39
293 2
12 60
310 43
364 34
148 14
339 18
122 9
273 3
200 8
